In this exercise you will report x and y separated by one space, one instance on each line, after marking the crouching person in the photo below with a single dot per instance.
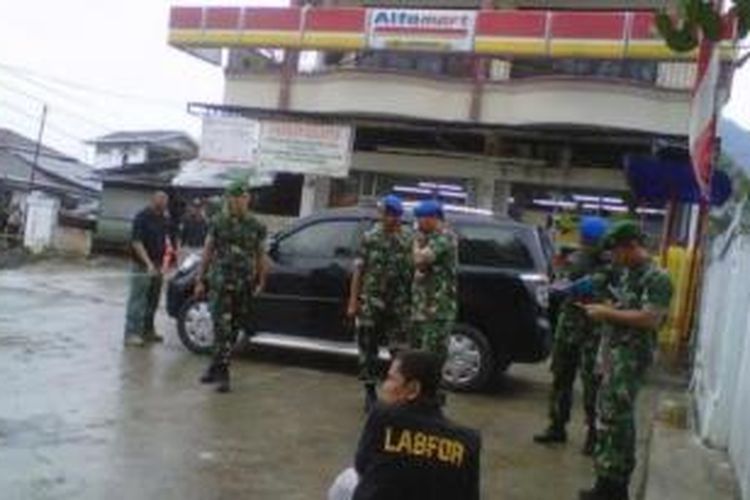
408 449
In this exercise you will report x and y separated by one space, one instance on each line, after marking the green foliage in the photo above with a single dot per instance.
698 18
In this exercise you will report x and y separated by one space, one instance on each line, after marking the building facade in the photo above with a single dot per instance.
527 107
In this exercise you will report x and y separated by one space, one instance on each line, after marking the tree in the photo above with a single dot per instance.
695 19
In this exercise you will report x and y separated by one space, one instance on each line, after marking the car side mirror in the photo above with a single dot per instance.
273 248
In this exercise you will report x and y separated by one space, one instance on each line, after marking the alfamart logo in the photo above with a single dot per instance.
396 20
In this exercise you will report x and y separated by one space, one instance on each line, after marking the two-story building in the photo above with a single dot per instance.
518 105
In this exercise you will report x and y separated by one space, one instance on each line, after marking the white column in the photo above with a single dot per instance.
316 192
41 220
485 192
501 201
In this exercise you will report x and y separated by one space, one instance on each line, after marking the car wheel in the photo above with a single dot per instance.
195 326
470 362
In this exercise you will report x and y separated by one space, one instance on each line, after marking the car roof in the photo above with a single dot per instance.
452 215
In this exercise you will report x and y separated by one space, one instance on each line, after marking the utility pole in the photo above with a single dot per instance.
38 146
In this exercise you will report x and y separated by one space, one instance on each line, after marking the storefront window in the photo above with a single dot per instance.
629 70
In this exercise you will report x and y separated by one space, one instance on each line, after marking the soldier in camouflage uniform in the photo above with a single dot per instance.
434 289
380 292
235 261
576 343
643 293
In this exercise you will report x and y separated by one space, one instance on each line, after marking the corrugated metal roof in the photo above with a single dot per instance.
17 151
141 137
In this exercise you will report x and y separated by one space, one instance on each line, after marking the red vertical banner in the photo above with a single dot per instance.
704 111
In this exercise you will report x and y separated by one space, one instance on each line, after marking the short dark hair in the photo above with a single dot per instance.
422 366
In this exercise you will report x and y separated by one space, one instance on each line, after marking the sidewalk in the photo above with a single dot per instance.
676 465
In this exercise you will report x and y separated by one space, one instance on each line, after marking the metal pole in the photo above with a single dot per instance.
38 148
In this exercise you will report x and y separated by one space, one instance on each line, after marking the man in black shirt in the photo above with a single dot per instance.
148 241
193 228
408 449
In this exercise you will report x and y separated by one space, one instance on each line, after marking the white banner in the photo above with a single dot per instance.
229 141
430 30
305 148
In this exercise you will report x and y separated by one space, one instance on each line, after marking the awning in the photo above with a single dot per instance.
657 181
197 174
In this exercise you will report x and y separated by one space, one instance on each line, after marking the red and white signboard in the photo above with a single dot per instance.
703 115
305 148
429 30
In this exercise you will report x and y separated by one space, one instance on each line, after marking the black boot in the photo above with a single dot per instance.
553 434
209 376
606 489
588 447
222 379
371 397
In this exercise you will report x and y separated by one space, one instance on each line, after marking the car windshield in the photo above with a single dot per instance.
494 246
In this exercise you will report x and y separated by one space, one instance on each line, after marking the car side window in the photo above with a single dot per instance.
325 239
493 246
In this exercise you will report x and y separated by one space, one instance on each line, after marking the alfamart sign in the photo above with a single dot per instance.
444 30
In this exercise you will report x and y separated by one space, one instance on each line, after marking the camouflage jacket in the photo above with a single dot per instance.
385 263
574 324
238 241
435 285
647 287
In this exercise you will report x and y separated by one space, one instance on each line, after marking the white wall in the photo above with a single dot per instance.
519 102
115 156
721 378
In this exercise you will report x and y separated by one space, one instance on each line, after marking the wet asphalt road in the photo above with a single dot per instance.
81 417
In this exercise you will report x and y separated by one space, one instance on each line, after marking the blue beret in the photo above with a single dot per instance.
593 229
428 208
392 204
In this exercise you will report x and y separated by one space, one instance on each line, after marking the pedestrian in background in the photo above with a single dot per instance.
576 343
193 229
435 283
150 231
408 450
380 291
235 263
643 293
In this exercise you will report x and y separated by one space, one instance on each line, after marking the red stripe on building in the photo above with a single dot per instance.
223 18
512 24
185 17
644 27
272 18
588 25
336 20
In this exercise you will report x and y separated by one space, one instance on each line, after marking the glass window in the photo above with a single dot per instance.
329 239
494 246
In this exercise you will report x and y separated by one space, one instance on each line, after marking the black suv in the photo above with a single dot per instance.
503 293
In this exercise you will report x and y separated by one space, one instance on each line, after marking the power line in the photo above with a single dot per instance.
21 111
168 103
61 109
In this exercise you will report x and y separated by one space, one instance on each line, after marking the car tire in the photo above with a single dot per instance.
471 362
195 327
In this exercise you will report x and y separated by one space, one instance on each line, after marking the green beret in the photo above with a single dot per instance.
623 232
237 188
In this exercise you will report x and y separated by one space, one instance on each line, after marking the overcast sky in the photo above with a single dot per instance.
104 65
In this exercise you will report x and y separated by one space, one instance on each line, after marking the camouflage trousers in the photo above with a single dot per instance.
231 311
622 377
143 302
570 358
383 328
431 336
